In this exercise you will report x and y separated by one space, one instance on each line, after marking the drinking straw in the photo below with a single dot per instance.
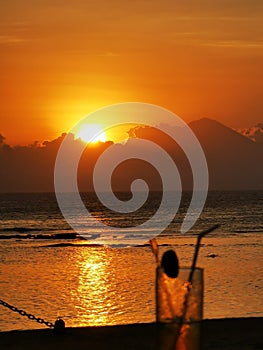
190 278
155 250
197 246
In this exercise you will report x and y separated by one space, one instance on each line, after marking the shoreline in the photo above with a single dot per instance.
217 334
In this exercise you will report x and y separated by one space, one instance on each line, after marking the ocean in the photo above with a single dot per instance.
49 271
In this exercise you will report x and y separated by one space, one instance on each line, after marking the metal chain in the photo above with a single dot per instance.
24 313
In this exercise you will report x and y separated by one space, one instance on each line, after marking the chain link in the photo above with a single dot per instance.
24 313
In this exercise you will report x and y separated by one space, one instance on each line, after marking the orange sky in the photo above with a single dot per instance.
60 60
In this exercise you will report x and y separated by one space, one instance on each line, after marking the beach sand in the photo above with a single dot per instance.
239 333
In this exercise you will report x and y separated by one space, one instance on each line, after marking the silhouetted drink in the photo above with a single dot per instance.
179 308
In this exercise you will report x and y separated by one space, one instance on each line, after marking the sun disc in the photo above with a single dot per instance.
91 133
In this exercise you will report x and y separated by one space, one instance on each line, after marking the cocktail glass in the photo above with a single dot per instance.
179 309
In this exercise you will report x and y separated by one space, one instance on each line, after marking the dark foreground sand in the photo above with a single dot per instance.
241 334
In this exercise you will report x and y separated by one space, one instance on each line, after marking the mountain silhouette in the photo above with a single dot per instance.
234 161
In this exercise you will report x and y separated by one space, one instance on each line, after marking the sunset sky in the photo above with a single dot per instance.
60 60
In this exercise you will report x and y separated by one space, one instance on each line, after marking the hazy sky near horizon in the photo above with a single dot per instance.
60 60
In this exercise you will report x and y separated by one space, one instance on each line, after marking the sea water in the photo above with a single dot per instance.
104 285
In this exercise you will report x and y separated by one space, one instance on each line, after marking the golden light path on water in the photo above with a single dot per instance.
108 284
93 289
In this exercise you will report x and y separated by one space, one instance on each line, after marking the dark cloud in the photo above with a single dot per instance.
232 161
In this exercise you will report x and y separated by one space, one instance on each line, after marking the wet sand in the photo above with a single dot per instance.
227 334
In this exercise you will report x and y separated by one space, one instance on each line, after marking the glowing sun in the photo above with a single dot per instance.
91 133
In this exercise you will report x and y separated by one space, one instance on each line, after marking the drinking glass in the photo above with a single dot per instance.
179 309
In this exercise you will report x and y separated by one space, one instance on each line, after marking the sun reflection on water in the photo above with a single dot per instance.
92 294
109 285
